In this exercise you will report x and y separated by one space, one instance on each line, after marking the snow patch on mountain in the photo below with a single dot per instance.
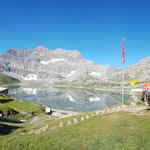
72 73
71 99
41 54
94 99
95 74
30 77
30 91
52 61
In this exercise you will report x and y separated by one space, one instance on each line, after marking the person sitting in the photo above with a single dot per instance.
49 111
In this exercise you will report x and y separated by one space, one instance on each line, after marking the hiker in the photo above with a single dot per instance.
143 96
147 93
147 98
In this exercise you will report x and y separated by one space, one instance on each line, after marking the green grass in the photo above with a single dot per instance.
140 102
35 84
7 111
23 106
13 108
127 102
20 106
118 78
85 84
5 79
117 131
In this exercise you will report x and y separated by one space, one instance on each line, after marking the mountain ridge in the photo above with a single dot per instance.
42 64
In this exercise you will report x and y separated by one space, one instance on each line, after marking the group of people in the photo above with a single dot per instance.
146 96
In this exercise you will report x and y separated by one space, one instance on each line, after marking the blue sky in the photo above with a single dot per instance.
95 28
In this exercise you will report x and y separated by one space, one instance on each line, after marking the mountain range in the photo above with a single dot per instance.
44 65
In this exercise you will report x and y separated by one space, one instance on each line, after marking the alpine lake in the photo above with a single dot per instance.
73 99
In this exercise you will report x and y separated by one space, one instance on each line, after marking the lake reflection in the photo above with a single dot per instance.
67 99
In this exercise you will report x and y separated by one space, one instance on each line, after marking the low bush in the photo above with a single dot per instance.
7 111
140 102
127 102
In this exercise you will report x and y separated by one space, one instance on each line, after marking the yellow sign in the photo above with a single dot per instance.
132 83
136 80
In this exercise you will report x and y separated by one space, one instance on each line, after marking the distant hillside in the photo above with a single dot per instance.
5 79
140 71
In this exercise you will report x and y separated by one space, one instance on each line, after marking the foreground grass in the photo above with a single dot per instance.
5 79
15 109
117 131
7 101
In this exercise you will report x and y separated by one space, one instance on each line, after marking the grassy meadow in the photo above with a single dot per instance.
5 79
115 131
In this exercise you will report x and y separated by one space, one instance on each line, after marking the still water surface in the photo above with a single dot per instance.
67 99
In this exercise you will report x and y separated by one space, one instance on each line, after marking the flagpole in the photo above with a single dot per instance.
122 83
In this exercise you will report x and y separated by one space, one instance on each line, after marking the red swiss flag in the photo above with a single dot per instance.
123 58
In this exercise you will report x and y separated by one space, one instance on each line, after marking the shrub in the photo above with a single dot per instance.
7 111
127 102
140 102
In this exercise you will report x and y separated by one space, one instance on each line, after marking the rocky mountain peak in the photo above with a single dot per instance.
145 60
41 49
72 54
16 52
110 67
50 65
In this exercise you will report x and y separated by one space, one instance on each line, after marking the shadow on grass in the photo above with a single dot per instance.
5 100
7 129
